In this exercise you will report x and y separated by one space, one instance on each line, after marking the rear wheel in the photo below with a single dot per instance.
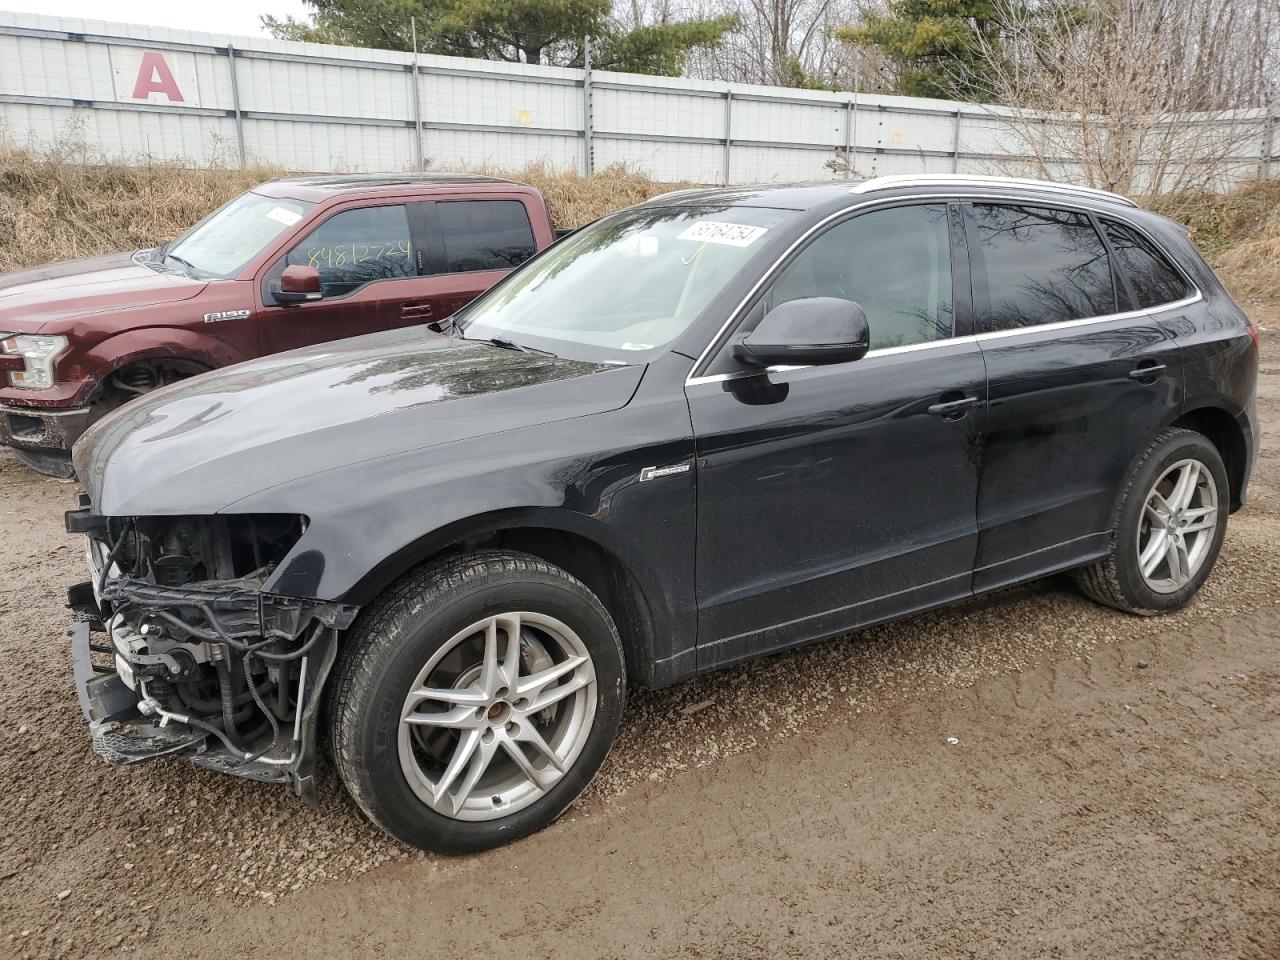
1168 527
475 700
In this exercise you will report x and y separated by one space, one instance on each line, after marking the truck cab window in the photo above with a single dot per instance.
357 247
485 234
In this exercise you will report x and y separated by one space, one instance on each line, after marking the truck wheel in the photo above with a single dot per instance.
1168 527
475 699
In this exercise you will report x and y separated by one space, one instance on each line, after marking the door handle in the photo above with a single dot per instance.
953 409
415 311
1147 373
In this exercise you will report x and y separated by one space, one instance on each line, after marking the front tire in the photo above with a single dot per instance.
475 699
1167 529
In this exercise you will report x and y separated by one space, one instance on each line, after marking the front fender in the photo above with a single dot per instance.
152 343
371 521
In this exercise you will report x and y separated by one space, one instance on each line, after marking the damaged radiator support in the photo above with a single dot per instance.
215 670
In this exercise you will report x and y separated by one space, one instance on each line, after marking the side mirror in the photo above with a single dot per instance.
298 284
810 330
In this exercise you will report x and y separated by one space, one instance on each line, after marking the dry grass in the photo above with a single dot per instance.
55 206
59 205
1239 232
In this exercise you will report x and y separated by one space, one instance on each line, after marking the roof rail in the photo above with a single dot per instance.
960 179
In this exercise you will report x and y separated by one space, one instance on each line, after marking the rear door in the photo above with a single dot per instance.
1078 382
468 245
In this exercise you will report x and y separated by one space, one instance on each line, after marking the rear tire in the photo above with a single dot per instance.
1167 529
515 731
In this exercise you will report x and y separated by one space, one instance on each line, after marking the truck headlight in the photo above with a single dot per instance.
38 351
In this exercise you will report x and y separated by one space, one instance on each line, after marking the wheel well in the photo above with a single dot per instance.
139 376
599 570
1224 433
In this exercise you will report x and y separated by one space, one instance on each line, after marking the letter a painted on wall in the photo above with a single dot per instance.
154 76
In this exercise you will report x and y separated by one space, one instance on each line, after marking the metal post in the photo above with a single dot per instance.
1269 121
955 145
848 139
728 132
851 121
417 101
586 106
235 103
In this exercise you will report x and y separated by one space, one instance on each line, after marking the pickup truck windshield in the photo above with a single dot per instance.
624 286
219 246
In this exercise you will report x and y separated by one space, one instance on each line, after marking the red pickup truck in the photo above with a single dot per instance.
290 263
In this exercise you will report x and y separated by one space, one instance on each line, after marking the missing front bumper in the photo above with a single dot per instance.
132 717
43 428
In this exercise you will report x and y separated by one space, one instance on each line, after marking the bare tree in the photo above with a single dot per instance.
784 42
1140 96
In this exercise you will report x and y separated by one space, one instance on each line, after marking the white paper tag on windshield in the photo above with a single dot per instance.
732 234
283 215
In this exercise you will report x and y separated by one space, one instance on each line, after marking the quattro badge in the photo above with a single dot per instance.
657 473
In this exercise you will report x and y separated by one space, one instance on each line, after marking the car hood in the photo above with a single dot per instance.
33 301
201 445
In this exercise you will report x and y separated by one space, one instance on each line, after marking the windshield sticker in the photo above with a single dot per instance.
283 215
731 234
637 346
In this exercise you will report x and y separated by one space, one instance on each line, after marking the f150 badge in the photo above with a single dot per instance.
226 315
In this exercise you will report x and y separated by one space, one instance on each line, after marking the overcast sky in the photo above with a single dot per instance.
222 16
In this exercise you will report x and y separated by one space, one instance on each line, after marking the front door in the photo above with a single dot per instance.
831 497
1078 384
367 260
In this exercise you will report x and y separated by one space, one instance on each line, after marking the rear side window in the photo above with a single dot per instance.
484 234
357 247
1153 279
1042 266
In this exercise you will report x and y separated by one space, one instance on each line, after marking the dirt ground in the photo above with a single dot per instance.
1113 791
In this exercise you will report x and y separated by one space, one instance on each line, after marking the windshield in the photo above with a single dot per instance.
624 286
220 245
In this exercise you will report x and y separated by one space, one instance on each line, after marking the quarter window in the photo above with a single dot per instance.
1042 266
895 263
357 247
1154 281
484 234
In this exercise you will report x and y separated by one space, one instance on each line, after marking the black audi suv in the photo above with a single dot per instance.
706 428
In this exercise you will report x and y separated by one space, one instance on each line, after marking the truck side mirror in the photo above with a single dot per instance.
298 284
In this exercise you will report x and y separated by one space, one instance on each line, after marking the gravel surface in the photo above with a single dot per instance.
165 858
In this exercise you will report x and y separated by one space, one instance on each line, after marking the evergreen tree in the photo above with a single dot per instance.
518 31
938 46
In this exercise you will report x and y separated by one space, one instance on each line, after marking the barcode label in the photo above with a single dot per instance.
731 234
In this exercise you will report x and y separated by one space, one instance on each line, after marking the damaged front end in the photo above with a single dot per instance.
178 651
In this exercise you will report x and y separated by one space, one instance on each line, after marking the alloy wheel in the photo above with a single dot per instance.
1179 518
497 716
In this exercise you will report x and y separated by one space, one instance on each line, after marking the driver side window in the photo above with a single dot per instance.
356 247
895 263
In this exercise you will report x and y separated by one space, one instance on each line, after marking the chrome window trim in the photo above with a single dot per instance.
970 338
964 196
